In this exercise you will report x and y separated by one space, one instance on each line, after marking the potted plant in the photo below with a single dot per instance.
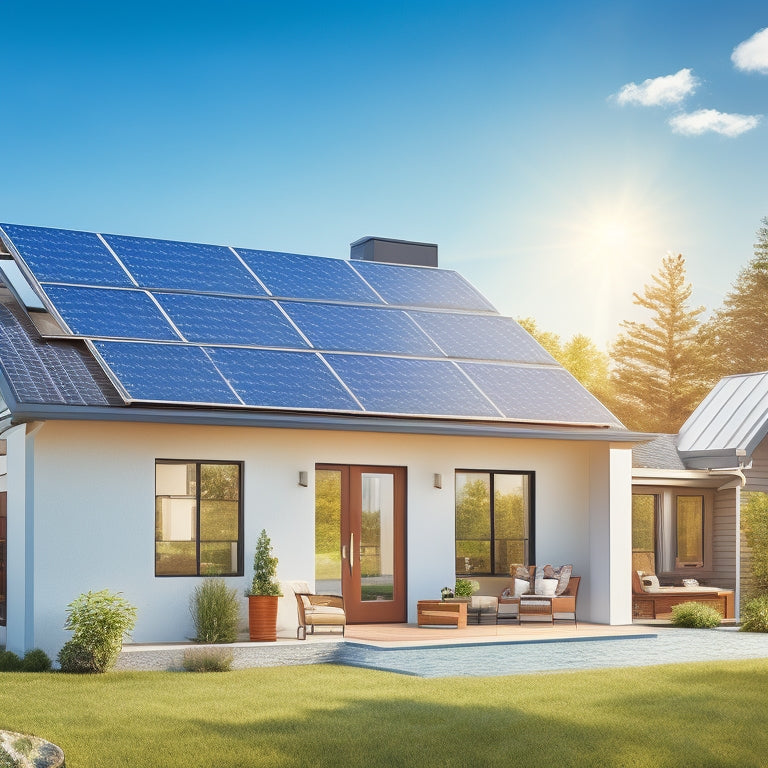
462 592
263 593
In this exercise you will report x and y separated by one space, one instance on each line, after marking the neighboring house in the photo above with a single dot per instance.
166 401
688 489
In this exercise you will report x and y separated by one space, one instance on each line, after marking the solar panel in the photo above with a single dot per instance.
289 275
537 394
166 264
268 340
109 312
227 320
421 286
165 373
63 256
481 337
414 387
275 379
360 329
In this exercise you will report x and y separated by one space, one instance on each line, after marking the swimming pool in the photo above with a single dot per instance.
525 657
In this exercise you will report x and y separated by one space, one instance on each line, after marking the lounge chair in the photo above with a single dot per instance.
317 610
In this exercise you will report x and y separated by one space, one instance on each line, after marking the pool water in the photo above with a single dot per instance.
524 657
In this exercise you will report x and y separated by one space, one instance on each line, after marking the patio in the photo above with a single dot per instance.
323 647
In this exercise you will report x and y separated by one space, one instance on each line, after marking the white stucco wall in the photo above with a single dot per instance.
90 515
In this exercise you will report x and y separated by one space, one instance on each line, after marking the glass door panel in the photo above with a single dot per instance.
360 540
377 546
328 484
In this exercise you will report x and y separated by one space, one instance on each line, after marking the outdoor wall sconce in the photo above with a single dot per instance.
437 480
303 479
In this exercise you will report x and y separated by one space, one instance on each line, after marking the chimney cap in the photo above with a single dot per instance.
388 250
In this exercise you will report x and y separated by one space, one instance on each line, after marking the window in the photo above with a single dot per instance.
494 521
671 530
198 518
690 532
644 532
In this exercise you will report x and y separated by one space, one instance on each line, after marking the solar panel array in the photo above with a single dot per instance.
193 324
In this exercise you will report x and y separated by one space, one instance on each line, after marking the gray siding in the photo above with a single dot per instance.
724 539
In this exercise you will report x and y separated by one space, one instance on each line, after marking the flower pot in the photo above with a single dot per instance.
262 618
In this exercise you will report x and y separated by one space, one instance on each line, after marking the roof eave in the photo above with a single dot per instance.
302 420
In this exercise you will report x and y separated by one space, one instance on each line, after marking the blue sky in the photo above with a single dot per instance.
507 132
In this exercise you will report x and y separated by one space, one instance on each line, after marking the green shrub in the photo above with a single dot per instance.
264 569
77 659
207 660
465 588
754 522
215 610
36 660
754 615
696 615
9 662
99 621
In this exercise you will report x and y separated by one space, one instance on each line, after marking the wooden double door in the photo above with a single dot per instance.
360 541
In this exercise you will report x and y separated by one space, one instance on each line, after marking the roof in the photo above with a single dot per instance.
658 453
728 424
157 326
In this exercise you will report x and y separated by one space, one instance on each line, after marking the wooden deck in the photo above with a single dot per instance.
410 634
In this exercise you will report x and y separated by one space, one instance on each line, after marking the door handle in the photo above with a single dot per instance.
351 551
343 551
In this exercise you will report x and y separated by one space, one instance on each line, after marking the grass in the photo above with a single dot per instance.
679 715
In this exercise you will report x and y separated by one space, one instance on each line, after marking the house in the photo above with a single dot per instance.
165 401
688 489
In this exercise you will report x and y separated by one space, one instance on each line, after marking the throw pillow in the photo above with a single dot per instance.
548 587
522 587
650 582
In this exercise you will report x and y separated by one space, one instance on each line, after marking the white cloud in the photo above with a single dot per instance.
669 89
752 54
710 120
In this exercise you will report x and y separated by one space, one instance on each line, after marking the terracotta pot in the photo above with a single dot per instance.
262 618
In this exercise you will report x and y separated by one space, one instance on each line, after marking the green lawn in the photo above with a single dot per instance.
683 715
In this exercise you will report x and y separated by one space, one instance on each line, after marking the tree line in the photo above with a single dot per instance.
656 372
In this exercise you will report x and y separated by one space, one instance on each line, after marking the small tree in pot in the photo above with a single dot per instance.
263 593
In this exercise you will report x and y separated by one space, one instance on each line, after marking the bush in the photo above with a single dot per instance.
754 615
465 588
36 660
754 522
77 659
207 660
9 662
264 569
696 615
98 621
215 610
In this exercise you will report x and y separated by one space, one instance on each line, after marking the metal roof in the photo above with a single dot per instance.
728 424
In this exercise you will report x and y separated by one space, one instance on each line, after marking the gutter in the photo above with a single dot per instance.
287 420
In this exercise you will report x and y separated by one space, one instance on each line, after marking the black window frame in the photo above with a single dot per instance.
240 522
530 549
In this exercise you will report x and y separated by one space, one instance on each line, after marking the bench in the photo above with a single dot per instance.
659 605
437 612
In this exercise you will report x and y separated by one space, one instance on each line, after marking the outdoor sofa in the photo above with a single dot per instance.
656 602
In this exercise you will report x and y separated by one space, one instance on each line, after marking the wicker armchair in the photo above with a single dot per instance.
318 610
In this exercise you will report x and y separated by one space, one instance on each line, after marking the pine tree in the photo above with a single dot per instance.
737 333
656 376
